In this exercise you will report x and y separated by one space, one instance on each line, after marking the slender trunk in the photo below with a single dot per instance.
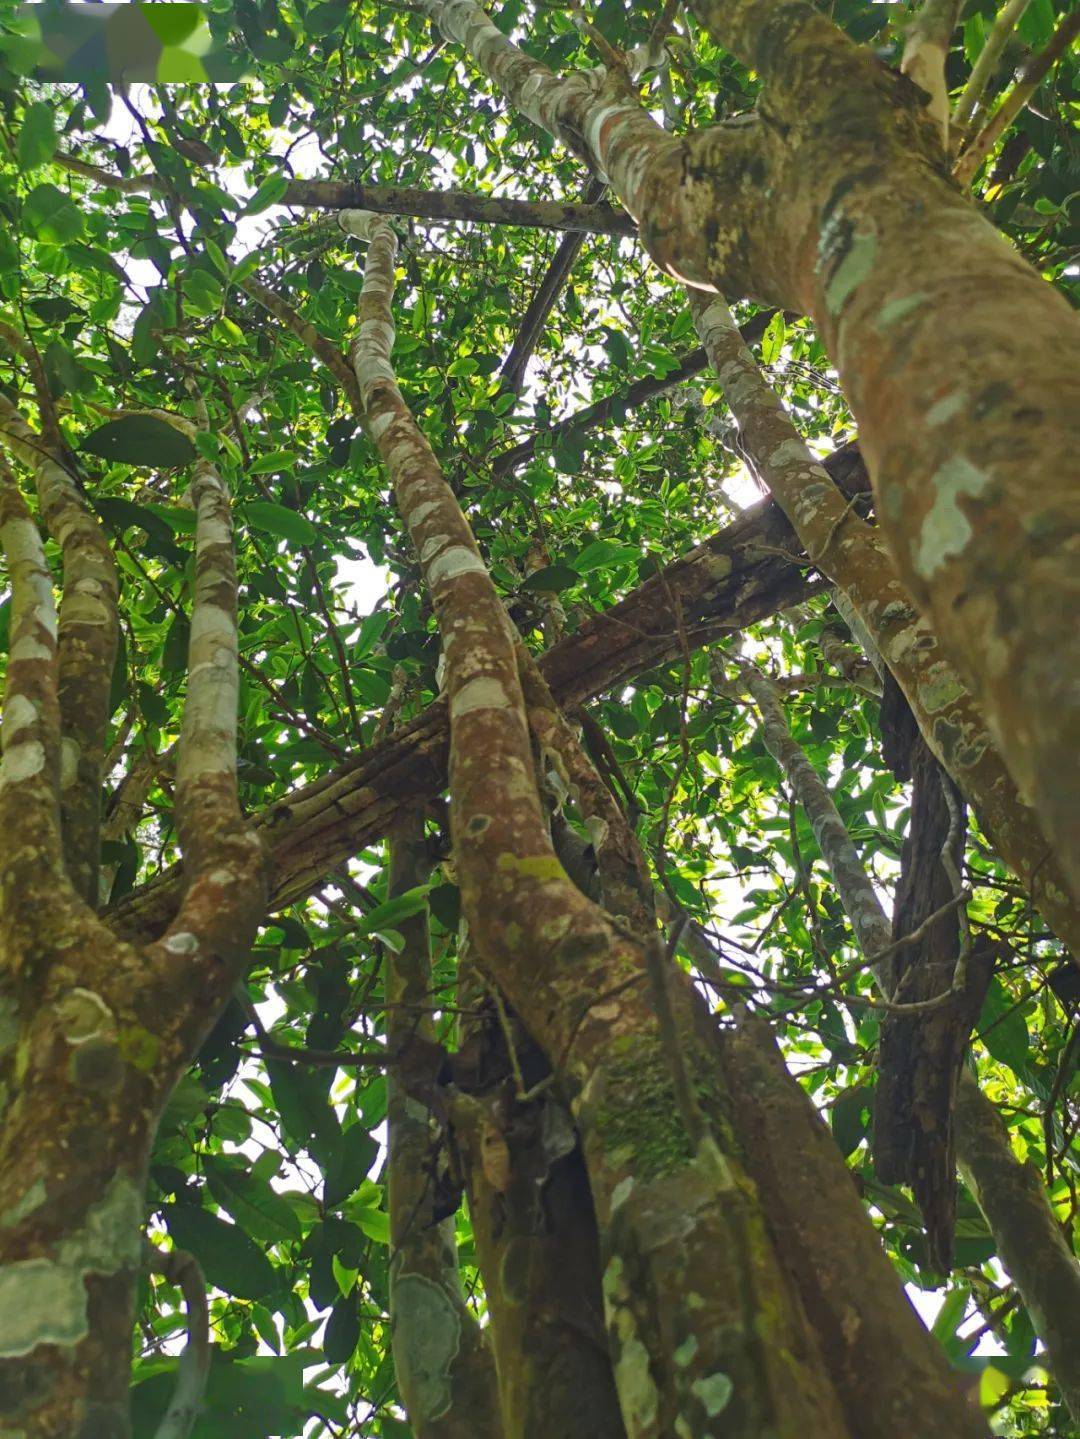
99 1031
443 1363
1028 1237
1014 1203
88 630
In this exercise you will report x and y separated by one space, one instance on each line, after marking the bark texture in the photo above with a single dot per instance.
96 1032
702 1319
443 1362
88 629
1010 1195
850 552
961 366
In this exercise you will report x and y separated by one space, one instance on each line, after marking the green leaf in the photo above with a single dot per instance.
552 579
269 193
848 1125
412 902
342 1330
602 553
1002 1027
254 1205
51 215
37 138
140 440
349 1167
230 1259
279 521
276 461
202 292
304 1107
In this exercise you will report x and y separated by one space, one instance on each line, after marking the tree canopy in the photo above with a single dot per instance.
181 265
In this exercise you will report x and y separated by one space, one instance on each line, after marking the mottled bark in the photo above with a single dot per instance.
445 1373
96 1032
850 552
1012 1199
701 1319
962 369
89 626
458 205
852 1293
1029 1238
961 366
687 1342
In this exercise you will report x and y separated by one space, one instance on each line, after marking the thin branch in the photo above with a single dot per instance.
183 1269
1006 22
512 375
926 48
1028 81
458 205
592 416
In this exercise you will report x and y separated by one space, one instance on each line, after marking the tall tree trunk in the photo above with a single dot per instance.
701 1317
97 1032
961 366
850 552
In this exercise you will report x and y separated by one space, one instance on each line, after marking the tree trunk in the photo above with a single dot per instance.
443 1362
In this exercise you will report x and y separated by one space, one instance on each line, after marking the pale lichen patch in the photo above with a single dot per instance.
946 529
427 1336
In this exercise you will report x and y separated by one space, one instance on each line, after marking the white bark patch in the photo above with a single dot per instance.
946 529
40 1303
81 1015
426 1336
851 272
182 943
19 713
380 424
69 762
432 545
26 647
714 1392
421 513
945 409
458 560
22 762
210 621
483 693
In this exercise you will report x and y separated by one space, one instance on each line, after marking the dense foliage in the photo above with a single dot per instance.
272 1171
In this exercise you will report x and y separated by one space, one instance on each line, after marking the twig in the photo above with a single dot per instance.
183 1269
983 68
1028 81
